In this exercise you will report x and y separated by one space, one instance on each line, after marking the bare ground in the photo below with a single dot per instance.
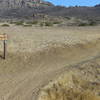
38 55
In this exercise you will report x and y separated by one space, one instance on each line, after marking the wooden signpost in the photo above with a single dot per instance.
3 37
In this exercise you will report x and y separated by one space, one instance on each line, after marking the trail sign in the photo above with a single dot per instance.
3 37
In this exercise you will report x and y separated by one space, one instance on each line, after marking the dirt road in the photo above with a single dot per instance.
38 55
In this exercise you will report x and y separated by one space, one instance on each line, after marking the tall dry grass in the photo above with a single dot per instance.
69 87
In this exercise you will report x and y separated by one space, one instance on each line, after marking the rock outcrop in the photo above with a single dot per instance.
5 4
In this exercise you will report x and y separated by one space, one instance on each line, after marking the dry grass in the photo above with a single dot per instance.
77 84
5 25
37 55
37 38
71 94
69 88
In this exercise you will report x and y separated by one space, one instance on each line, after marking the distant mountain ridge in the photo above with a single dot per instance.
26 8
98 5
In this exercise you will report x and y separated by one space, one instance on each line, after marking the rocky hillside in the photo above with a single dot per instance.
26 8
8 4
21 8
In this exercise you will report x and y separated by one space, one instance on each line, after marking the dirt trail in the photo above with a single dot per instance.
23 73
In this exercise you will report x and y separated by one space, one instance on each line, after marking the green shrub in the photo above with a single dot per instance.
67 17
19 23
42 24
5 25
48 24
82 24
27 25
13 22
33 22
92 23
56 22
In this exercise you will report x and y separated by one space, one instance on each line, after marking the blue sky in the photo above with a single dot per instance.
75 2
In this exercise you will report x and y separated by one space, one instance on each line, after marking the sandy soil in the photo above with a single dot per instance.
38 55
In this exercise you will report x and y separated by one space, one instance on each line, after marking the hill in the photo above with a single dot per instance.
19 9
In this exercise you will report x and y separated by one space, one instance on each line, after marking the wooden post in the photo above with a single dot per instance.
3 37
5 47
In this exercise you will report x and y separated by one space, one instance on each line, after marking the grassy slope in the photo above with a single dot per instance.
34 59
